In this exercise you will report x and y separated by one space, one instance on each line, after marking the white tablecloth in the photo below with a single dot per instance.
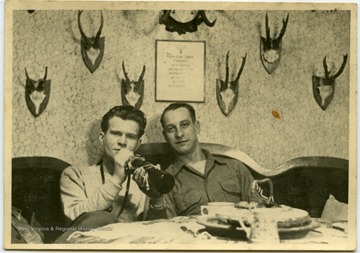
186 231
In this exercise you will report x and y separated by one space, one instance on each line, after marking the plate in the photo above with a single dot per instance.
214 226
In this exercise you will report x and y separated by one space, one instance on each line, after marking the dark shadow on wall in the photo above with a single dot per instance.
153 131
93 145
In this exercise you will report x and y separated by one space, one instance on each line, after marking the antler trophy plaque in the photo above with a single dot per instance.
227 91
132 92
324 87
183 21
92 48
37 94
270 48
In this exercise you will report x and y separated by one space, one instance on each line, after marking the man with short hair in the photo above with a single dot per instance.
101 187
200 177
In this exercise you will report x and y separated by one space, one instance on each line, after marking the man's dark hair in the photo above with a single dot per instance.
175 106
126 112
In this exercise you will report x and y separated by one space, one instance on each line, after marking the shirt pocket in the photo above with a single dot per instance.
231 191
188 202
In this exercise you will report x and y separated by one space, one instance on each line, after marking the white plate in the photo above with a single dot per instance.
212 224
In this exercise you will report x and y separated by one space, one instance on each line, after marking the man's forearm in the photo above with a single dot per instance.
74 205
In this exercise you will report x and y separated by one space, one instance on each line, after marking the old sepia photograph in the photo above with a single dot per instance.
180 125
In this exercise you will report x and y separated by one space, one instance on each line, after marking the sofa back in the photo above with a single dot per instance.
303 182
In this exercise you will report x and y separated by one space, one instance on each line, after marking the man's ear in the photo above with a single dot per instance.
101 137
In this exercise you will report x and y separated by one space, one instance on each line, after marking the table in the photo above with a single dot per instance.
185 233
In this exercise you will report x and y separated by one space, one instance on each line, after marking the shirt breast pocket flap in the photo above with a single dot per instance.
187 199
231 187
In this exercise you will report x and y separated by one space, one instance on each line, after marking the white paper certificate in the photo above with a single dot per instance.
180 70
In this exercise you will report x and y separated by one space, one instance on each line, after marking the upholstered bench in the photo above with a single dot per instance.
304 182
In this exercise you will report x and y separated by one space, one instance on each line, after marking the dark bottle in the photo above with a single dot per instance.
160 181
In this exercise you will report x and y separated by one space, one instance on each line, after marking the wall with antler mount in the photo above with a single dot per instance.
276 117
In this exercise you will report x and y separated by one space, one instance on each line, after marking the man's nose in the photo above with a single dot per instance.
122 140
179 133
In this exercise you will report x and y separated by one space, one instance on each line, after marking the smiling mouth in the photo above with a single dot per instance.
181 142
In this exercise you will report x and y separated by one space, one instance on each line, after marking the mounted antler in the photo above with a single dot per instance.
331 79
175 24
92 41
274 43
97 37
132 92
92 48
227 70
45 73
267 43
87 41
40 80
227 91
27 75
163 18
37 93
203 17
324 87
270 50
125 73
241 69
142 75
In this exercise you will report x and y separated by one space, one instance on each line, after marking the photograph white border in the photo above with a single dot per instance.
52 5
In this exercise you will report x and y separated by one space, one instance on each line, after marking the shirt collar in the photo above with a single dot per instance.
210 160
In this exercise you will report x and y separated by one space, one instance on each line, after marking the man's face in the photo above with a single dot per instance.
180 131
120 134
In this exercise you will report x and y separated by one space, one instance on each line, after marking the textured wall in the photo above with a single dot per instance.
68 128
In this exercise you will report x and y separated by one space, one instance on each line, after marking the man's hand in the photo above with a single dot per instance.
141 177
121 158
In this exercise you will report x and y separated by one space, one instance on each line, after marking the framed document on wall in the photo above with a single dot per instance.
180 71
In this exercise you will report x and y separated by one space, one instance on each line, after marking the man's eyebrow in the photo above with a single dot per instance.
131 134
115 131
182 121
118 131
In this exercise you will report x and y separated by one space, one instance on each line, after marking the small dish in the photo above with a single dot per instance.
215 226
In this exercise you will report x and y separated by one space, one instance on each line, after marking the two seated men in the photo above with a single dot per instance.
200 177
